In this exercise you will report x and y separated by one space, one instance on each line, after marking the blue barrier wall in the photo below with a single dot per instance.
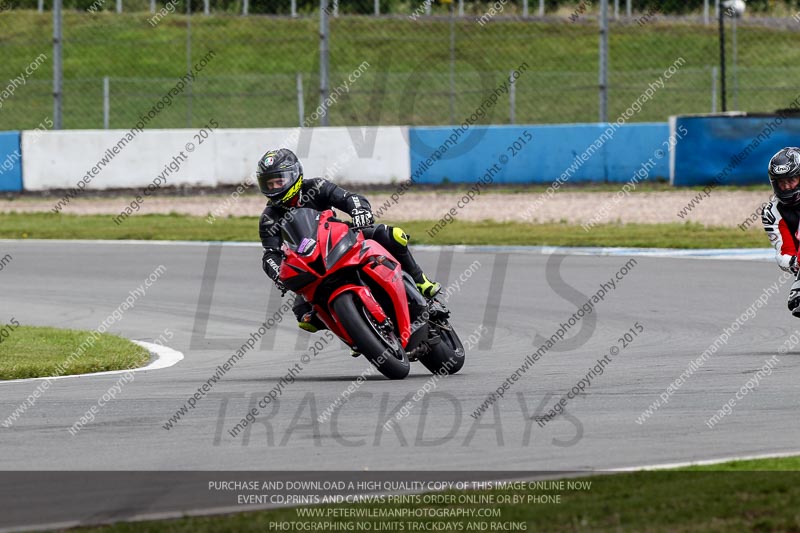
10 161
743 145
550 152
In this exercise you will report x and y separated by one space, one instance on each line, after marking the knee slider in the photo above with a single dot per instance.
400 236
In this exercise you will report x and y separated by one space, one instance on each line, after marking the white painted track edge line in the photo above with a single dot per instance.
707 462
165 358
231 510
758 254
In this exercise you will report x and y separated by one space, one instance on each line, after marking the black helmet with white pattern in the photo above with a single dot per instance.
280 177
784 175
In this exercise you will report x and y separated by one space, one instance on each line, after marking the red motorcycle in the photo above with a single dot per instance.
360 292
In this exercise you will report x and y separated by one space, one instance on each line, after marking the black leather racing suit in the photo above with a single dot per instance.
782 224
321 194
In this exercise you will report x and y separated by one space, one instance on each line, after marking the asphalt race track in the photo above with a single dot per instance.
210 298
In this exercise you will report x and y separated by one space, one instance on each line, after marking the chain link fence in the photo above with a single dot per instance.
424 64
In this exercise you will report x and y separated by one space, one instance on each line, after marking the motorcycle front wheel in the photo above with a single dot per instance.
380 346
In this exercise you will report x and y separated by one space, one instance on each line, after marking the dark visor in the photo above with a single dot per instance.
286 176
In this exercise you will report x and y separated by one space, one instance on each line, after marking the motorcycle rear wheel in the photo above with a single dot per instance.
381 348
446 356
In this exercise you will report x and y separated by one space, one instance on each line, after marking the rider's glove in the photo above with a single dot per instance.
362 217
281 287
793 266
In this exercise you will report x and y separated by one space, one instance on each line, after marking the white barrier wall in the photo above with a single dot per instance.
106 159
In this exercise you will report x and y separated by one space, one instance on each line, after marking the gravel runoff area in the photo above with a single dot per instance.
720 208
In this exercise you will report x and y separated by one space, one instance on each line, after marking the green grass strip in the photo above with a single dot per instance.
731 497
32 352
183 227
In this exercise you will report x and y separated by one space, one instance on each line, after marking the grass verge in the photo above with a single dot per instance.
32 352
11 199
184 227
737 496
406 83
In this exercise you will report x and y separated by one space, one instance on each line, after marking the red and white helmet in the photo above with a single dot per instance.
785 165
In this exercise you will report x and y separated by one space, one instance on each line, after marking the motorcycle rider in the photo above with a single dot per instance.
781 216
280 178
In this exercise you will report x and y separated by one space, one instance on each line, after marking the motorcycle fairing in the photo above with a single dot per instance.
310 258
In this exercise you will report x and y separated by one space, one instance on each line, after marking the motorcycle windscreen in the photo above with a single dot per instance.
337 252
300 227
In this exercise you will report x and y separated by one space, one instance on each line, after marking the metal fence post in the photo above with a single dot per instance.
723 89
541 8
714 89
323 60
603 61
294 8
461 7
40 6
206 7
106 102
512 99
616 9
189 63
245 7
300 108
524 8
628 8
705 12
377 7
58 74
152 6
452 65
119 6
735 68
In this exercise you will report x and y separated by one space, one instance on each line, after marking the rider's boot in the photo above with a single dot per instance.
428 288
311 322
